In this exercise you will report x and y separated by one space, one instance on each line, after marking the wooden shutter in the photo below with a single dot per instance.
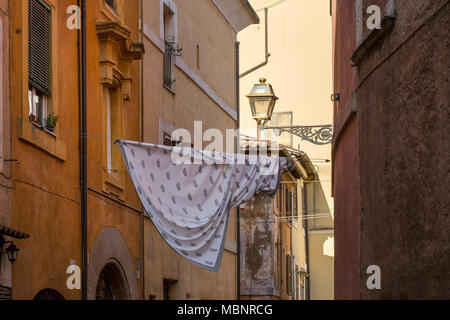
288 275
40 46
295 200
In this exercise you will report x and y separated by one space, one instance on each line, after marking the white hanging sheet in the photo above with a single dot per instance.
188 193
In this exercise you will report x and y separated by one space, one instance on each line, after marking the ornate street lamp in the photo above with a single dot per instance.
262 103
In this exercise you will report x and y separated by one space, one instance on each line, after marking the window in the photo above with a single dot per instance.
113 128
168 141
171 47
295 213
302 286
280 201
39 60
112 4
304 208
277 265
168 289
198 57
288 204
288 275
297 283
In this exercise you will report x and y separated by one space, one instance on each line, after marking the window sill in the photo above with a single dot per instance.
113 185
43 139
172 91
37 125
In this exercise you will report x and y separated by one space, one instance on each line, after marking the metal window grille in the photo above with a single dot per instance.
171 50
168 65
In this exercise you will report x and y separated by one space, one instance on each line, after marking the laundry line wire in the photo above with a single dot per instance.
275 221
65 132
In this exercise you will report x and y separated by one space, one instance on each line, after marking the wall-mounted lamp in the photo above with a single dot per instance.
11 251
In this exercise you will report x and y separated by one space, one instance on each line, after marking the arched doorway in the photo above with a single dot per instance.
111 283
111 248
49 295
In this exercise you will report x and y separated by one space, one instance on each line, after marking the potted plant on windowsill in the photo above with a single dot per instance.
50 122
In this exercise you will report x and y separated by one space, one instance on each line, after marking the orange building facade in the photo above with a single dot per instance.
128 97
45 196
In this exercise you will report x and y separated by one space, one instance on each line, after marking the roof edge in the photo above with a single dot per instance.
252 11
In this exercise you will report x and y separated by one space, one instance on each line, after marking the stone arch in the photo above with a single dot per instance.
48 295
110 247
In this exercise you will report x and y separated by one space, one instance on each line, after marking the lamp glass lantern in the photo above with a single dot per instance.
12 252
262 101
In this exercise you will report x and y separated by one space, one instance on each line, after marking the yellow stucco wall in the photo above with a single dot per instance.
299 70
322 267
179 109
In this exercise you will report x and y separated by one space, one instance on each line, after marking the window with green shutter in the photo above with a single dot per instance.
39 59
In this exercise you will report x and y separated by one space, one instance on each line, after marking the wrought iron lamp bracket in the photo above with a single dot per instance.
319 135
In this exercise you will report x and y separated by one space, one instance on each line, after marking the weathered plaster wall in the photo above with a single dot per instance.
321 267
5 172
179 108
4 114
258 248
345 154
404 152
46 194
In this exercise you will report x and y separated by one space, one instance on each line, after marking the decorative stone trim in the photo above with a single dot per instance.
110 246
116 54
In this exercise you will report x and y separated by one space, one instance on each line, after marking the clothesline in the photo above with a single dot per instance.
65 132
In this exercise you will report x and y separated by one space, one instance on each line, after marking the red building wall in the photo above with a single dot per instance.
345 154
391 150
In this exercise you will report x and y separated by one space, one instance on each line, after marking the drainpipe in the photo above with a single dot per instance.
308 289
267 54
238 210
82 58
141 119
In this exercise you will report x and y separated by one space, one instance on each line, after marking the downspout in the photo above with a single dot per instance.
141 119
308 289
83 149
267 54
238 210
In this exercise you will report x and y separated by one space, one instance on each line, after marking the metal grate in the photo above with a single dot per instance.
168 65
39 46
171 50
